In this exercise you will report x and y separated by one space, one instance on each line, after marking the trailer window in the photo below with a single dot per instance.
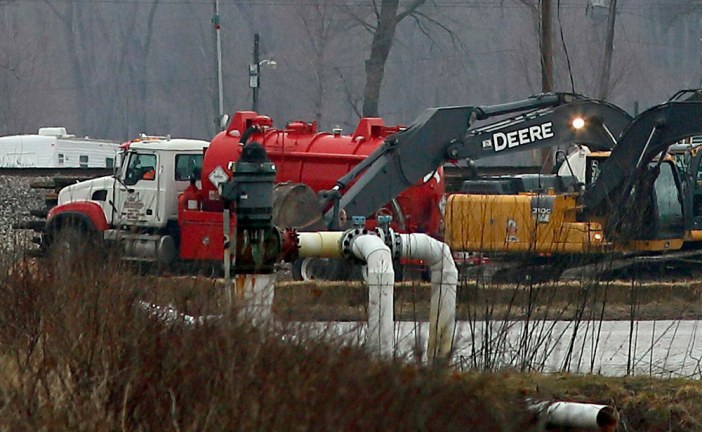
83 161
109 162
141 167
60 158
187 165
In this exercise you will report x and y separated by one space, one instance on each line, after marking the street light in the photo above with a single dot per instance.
255 78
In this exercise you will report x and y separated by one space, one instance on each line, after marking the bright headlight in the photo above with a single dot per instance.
578 123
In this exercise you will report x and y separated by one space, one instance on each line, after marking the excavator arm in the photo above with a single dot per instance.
442 134
649 135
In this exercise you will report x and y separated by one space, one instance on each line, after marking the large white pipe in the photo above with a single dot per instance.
576 415
444 279
378 274
322 244
380 277
256 293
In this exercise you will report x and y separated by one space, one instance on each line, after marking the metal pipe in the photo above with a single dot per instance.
257 293
536 102
380 277
444 279
324 244
576 415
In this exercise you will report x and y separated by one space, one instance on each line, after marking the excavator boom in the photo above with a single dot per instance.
442 134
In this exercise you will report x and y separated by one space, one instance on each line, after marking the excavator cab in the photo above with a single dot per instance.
688 156
655 208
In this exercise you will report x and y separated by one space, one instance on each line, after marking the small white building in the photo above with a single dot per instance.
52 147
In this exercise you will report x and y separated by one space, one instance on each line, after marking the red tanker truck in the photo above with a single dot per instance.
158 210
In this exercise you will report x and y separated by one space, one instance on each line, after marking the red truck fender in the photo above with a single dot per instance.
88 214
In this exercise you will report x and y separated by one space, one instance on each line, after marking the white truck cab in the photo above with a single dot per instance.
138 205
152 175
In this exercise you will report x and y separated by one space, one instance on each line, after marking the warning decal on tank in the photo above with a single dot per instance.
218 176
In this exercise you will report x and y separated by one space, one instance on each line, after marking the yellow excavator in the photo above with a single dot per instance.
635 203
632 199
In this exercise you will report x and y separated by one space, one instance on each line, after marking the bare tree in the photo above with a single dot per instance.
382 25
541 13
604 81
382 22
20 55
322 27
101 80
136 40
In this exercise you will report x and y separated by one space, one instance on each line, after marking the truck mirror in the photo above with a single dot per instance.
223 121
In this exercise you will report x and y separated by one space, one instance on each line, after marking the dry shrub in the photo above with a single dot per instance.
80 353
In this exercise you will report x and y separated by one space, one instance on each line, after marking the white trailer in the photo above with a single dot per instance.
54 148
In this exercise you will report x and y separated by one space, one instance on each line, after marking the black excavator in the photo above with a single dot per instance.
634 201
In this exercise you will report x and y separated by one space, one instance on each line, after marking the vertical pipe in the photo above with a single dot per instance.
380 277
258 292
444 279
227 255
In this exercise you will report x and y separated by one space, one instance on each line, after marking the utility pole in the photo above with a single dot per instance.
218 67
546 47
255 72
603 86
700 26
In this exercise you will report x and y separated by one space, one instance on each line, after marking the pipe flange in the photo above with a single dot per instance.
396 247
290 248
346 242
391 240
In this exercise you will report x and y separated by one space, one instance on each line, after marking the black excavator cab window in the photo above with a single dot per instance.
669 204
656 206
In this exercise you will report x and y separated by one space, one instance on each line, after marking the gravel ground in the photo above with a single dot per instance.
16 199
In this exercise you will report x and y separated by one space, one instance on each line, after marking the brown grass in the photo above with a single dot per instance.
77 352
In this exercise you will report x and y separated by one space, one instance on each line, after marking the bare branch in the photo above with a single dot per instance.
62 17
370 28
454 39
409 10
350 98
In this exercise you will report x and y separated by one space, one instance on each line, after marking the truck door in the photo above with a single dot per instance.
136 201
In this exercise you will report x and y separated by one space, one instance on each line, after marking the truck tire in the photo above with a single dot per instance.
73 246
310 268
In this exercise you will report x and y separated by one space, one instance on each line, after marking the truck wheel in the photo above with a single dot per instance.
72 246
310 268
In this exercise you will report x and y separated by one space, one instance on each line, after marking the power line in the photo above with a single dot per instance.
487 4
